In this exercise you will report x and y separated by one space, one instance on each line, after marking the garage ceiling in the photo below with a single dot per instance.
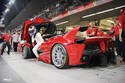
15 9
2 6
23 10
76 18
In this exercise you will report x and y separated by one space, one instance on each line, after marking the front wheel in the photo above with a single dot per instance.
59 56
103 60
26 52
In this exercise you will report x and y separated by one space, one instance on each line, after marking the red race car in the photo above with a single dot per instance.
68 49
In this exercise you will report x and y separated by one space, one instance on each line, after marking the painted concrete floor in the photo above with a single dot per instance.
14 69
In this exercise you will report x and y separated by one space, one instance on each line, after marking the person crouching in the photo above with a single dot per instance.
39 40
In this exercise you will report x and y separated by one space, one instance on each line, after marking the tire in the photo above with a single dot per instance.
90 61
59 56
111 58
26 52
103 60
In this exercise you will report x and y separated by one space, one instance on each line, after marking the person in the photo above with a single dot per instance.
15 41
7 40
19 48
100 32
115 28
39 40
1 40
92 30
121 19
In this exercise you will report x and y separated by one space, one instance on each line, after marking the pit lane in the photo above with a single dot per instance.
29 71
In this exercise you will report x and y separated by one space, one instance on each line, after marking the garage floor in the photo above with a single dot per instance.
14 69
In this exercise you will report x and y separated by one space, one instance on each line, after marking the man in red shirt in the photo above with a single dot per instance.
92 30
7 39
100 32
121 20
115 29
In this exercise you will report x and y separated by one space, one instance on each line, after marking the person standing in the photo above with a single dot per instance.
92 30
121 19
7 42
115 29
100 32
15 41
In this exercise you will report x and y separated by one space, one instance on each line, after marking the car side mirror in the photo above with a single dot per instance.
80 41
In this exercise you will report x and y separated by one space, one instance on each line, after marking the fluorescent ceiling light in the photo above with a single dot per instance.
103 11
11 2
2 25
62 23
120 7
7 10
110 21
2 19
89 15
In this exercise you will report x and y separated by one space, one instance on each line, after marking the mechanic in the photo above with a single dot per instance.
115 28
1 40
32 31
121 19
7 42
100 32
15 41
92 30
39 40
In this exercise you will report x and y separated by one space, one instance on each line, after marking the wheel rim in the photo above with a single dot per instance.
59 55
24 51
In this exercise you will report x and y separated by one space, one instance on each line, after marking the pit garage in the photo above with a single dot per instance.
67 53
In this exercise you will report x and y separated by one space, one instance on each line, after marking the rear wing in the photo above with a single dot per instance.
96 39
100 40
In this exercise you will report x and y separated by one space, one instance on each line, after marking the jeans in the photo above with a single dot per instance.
4 46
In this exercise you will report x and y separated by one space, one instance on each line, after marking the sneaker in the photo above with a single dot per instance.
37 59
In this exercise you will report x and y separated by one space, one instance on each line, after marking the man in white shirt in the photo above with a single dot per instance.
39 40
15 41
